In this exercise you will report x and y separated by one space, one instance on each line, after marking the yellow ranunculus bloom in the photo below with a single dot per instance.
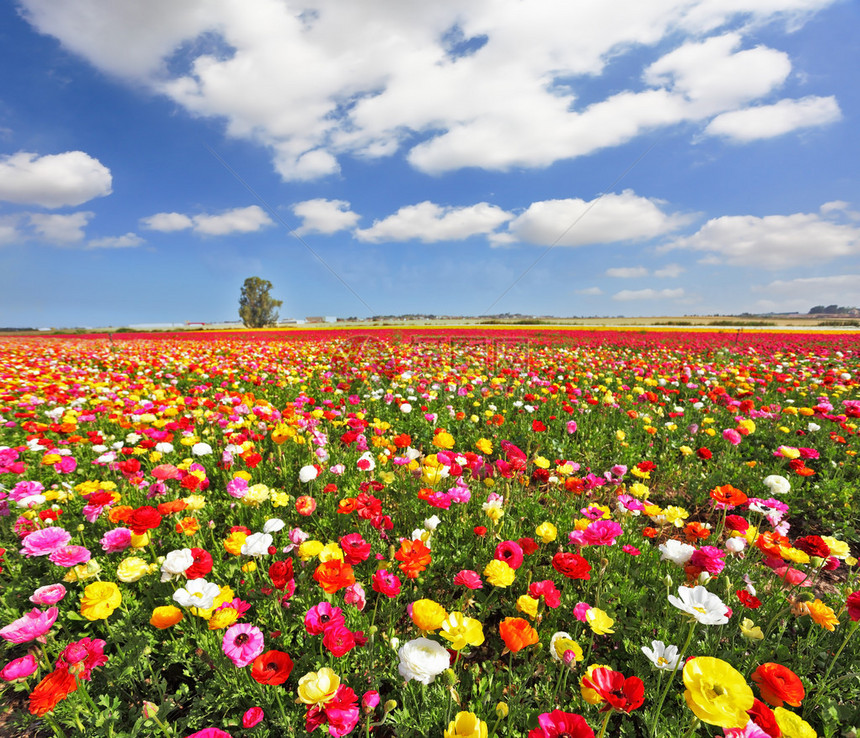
750 630
793 726
547 532
310 549
541 462
466 725
132 569
499 573
443 440
717 693
561 643
428 615
599 622
484 445
331 552
83 571
527 605
223 618
462 631
99 600
233 543
318 687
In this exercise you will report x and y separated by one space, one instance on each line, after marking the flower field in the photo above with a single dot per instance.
437 533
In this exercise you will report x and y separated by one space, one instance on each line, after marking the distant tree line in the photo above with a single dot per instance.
833 310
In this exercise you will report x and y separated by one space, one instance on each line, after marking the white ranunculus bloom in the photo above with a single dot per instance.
201 449
423 660
776 484
197 593
257 544
432 523
175 563
812 427
163 447
308 474
405 408
676 551
736 544
704 606
662 656
273 525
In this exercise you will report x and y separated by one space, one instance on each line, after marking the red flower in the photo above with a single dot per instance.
704 454
272 667
764 718
52 690
748 600
355 548
528 545
620 693
853 605
538 426
281 572
571 565
813 545
338 639
143 519
480 530
557 723
778 684
202 564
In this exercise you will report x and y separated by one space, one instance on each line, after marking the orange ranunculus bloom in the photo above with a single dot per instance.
694 531
52 690
728 496
172 506
517 633
771 543
347 505
120 513
188 526
822 614
414 557
778 684
165 616
334 575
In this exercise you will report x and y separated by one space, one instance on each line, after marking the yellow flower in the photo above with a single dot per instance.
233 543
280 499
466 725
750 630
541 462
462 631
561 643
838 548
795 555
484 445
443 440
527 605
620 435
226 594
331 552
99 600
310 549
793 726
493 510
789 452
717 693
676 515
685 450
599 622
140 541
195 502
637 489
132 569
428 615
83 571
499 573
223 618
547 532
318 687
747 424
822 614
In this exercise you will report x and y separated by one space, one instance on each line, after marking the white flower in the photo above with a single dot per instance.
197 593
776 484
308 474
175 563
273 525
812 427
422 659
405 408
736 544
662 656
432 523
201 449
163 447
676 551
704 606
257 544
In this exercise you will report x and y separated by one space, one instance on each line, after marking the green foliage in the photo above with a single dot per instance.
257 308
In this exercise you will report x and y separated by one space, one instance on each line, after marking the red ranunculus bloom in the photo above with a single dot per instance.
620 693
143 519
813 545
272 667
778 684
202 564
52 690
571 565
557 723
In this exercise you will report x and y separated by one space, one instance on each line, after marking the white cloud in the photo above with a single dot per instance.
167 222
429 222
801 294
128 241
648 294
608 219
767 121
327 79
9 232
839 207
589 291
60 229
627 272
324 216
53 180
670 271
237 220
771 242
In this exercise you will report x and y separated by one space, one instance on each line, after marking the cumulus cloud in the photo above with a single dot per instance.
128 241
801 294
238 220
669 271
53 180
429 223
445 81
648 294
767 121
611 218
60 229
627 272
771 242
324 216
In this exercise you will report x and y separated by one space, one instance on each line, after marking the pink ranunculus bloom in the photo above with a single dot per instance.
853 604
81 657
19 669
50 594
69 556
116 540
253 716
66 465
339 640
45 541
369 700
750 730
242 643
321 617
386 583
602 533
577 538
793 577
579 611
571 426
30 626
469 578
354 594
732 436
163 472
210 733
237 488
511 553
25 489
709 559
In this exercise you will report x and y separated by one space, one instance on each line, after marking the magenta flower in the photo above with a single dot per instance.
709 558
50 594
732 436
81 657
511 553
210 733
45 541
19 668
602 533
321 617
116 540
242 644
30 626
580 610
253 716
70 556
469 578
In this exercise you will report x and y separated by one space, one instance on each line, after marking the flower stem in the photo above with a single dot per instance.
671 677
604 724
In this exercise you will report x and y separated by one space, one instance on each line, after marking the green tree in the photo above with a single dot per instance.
257 308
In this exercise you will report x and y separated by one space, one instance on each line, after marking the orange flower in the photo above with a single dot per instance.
414 557
165 616
517 634
334 575
778 684
347 505
188 526
172 506
822 615
52 690
120 513
694 531
728 496
771 543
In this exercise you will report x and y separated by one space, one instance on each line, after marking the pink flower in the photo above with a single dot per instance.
81 657
547 590
571 426
116 540
237 488
66 465
253 716
386 583
321 617
469 578
579 611
338 639
163 472
30 626
602 533
732 436
709 559
45 541
632 550
242 643
355 595
511 553
210 733
853 605
70 556
355 548
50 594
19 668
369 700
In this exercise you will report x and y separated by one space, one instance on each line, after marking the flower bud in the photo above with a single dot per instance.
502 710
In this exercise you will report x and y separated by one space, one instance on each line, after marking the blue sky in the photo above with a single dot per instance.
603 157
